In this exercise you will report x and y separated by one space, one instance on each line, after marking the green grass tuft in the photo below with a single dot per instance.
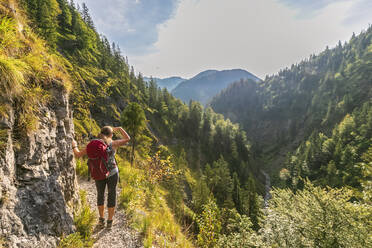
85 218
74 240
12 76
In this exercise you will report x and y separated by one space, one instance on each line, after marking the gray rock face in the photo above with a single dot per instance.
38 186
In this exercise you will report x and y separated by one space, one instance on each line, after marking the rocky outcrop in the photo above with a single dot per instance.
38 186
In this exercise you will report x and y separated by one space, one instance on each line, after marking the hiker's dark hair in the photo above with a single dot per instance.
105 133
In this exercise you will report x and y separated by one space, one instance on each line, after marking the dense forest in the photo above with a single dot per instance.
311 97
195 174
311 123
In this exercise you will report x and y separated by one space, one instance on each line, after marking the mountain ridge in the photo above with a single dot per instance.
169 82
203 86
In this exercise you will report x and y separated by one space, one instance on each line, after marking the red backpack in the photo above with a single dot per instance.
97 159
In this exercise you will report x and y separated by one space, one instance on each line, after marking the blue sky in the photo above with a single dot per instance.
131 23
183 37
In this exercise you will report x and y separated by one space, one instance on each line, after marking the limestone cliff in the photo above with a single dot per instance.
38 182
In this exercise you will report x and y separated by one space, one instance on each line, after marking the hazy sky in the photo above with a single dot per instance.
184 37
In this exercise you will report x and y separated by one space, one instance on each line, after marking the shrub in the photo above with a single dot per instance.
209 225
317 217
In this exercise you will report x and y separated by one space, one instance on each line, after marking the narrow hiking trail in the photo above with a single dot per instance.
121 235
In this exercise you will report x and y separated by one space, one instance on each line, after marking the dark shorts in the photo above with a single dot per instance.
111 182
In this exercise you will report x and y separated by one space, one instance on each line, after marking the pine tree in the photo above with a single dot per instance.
251 203
86 16
237 198
65 17
134 120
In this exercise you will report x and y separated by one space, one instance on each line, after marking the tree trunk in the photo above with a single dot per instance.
132 155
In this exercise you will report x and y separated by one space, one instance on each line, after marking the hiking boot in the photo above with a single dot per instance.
109 224
101 224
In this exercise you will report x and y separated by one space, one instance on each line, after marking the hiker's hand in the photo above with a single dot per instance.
115 129
74 143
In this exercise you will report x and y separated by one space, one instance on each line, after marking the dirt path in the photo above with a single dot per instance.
121 235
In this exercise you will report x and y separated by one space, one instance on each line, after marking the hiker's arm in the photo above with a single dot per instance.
124 140
76 151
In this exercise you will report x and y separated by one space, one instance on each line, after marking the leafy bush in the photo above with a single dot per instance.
240 234
317 217
209 225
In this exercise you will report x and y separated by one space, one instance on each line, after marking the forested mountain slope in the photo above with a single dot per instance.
208 83
313 96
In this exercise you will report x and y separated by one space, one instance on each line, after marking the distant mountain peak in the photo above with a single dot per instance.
207 84
169 83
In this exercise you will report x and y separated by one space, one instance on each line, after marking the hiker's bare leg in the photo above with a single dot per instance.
111 212
101 211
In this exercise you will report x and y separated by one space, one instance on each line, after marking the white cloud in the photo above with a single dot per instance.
131 23
260 36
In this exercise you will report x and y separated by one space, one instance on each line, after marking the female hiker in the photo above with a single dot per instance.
103 168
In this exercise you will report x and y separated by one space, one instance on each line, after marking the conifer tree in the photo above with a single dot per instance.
134 120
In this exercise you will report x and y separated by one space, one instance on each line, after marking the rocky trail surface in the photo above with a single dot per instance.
121 235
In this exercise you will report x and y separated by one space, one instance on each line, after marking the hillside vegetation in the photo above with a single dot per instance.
299 108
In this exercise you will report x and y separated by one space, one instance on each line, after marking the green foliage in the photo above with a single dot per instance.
220 182
12 74
27 72
209 225
334 160
200 194
8 37
240 234
366 179
44 14
74 240
84 218
312 217
133 119
82 167
316 217
158 169
147 209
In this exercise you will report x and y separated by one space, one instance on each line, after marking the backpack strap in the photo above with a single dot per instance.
110 145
